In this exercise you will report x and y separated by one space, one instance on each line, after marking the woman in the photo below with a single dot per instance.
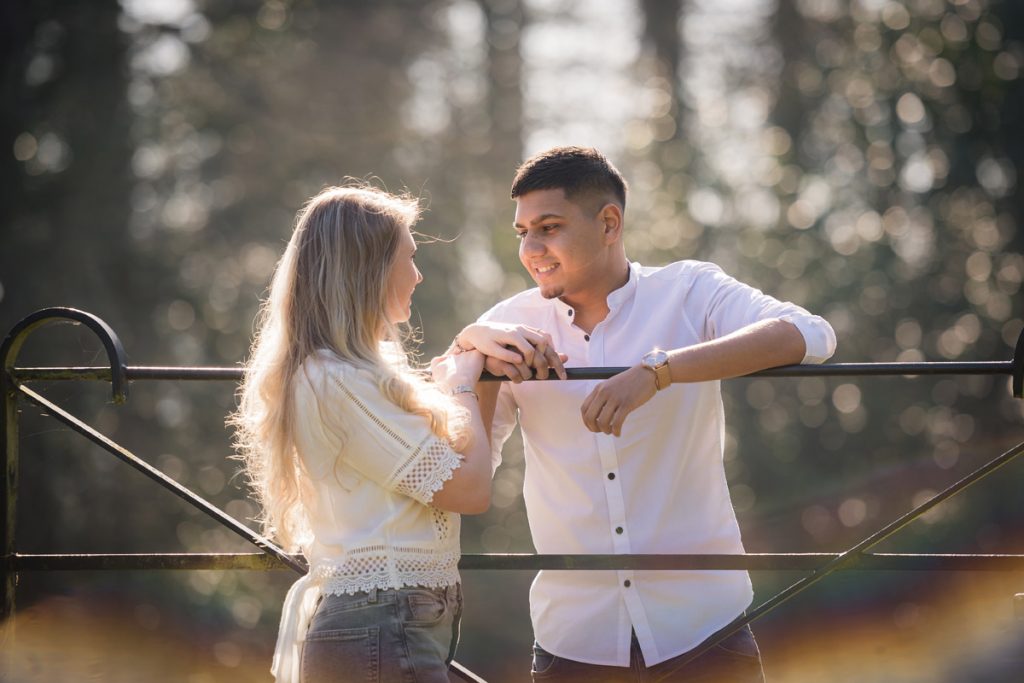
354 456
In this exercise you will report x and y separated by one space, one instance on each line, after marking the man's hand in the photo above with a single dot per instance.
513 351
606 408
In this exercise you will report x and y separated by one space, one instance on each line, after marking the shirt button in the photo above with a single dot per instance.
570 312
618 529
611 475
627 583
586 337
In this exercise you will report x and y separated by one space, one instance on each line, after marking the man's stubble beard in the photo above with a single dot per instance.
552 293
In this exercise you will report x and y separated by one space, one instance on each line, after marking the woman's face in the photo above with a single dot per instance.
402 279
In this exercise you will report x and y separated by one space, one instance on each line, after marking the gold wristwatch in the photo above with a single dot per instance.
657 362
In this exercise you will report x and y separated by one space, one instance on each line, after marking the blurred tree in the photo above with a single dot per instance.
898 194
661 32
66 201
1011 17
791 35
63 133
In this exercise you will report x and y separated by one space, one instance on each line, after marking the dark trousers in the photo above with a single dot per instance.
734 660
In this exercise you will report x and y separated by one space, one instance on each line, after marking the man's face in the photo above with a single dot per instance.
561 243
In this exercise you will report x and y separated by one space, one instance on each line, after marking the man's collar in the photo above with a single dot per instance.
616 298
624 293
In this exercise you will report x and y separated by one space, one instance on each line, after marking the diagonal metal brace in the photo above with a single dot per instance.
852 555
188 496
163 480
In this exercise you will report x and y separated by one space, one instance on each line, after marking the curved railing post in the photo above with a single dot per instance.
111 343
9 428
8 500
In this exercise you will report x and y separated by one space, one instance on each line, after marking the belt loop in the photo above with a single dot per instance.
373 595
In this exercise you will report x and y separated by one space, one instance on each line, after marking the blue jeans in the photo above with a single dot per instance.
735 660
407 635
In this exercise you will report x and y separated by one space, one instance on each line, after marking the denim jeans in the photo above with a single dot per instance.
406 635
735 660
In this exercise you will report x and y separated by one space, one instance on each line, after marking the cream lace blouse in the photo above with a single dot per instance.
373 470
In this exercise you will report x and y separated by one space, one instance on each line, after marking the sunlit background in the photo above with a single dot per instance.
859 157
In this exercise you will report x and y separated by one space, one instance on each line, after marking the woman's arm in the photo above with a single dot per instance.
469 489
512 351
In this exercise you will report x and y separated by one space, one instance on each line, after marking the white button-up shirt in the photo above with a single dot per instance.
659 488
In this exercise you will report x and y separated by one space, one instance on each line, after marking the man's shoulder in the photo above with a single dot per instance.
525 302
679 272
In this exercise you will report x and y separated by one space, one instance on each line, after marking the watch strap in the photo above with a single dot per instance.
662 376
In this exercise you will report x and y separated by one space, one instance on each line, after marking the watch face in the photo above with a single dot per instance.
655 358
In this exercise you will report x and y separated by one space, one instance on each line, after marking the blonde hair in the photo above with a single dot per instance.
329 291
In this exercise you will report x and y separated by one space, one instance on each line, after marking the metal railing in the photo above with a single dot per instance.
819 565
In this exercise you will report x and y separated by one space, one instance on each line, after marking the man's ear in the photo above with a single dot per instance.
611 216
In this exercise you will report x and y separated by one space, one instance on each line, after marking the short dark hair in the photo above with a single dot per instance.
574 170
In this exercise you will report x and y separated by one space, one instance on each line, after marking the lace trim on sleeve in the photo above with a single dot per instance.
425 471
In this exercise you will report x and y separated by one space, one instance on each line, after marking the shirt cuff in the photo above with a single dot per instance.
819 338
426 472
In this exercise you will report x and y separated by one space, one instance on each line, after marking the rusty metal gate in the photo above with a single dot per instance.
14 384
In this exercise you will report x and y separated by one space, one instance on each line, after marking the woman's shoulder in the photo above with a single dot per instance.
325 372
324 362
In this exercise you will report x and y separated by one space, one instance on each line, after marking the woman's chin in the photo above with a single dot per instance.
400 317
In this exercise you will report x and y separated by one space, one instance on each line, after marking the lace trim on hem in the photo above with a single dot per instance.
383 572
350 587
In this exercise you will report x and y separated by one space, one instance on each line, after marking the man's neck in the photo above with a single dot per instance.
591 305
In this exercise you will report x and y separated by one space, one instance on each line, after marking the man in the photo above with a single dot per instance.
632 464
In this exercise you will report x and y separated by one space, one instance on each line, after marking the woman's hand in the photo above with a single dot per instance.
451 370
513 351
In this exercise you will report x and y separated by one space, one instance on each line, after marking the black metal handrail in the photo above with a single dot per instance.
120 374
1009 368
549 562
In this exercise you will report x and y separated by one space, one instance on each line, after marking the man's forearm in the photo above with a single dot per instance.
765 344
488 393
